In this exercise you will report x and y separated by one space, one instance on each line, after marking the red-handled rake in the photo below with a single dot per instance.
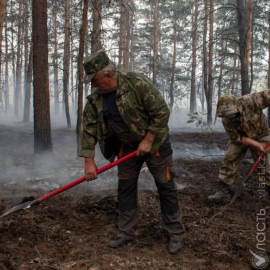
29 204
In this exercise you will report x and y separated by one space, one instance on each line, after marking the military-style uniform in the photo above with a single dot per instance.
251 122
141 109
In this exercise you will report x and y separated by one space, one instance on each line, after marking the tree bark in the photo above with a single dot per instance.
210 65
223 49
250 41
80 74
233 91
96 33
122 34
242 31
42 121
174 57
2 16
132 56
6 71
67 60
155 60
28 83
205 84
194 55
17 94
55 66
127 40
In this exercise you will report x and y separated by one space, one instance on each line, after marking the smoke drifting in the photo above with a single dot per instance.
23 172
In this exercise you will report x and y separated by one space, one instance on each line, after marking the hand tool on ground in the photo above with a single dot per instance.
241 186
29 204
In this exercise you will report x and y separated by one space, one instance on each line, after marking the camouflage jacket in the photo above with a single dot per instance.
252 122
142 108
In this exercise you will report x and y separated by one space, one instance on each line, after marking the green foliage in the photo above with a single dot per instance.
198 121
225 47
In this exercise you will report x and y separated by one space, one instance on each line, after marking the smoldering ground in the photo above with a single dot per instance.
22 169
72 230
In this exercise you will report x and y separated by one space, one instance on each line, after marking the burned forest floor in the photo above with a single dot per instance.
72 230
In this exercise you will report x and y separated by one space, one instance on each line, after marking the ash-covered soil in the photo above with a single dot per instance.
72 229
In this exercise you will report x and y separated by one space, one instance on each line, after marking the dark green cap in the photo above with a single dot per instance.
95 62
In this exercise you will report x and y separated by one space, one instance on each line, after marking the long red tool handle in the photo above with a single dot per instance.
239 189
82 179
258 161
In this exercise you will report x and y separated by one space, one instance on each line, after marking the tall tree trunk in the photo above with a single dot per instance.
26 16
86 52
80 74
250 41
55 66
28 83
205 84
26 107
224 50
202 92
233 92
210 65
67 60
127 40
171 92
242 31
249 29
17 94
42 121
132 57
96 34
2 16
155 60
150 69
13 65
194 55
73 92
6 70
122 34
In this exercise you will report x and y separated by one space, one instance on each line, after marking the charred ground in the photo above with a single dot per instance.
72 230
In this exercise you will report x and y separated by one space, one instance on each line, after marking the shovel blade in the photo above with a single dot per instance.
22 206
237 193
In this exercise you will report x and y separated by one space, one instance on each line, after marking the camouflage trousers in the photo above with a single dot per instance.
234 155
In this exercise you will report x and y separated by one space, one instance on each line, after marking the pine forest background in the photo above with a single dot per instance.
194 51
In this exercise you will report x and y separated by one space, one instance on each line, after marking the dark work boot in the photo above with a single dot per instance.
120 241
222 192
175 246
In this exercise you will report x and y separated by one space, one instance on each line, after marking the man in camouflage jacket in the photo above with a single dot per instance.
126 112
247 128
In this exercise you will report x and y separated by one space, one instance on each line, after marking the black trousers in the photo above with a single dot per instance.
159 165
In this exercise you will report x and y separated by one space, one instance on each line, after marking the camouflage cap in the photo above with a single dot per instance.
95 62
227 105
